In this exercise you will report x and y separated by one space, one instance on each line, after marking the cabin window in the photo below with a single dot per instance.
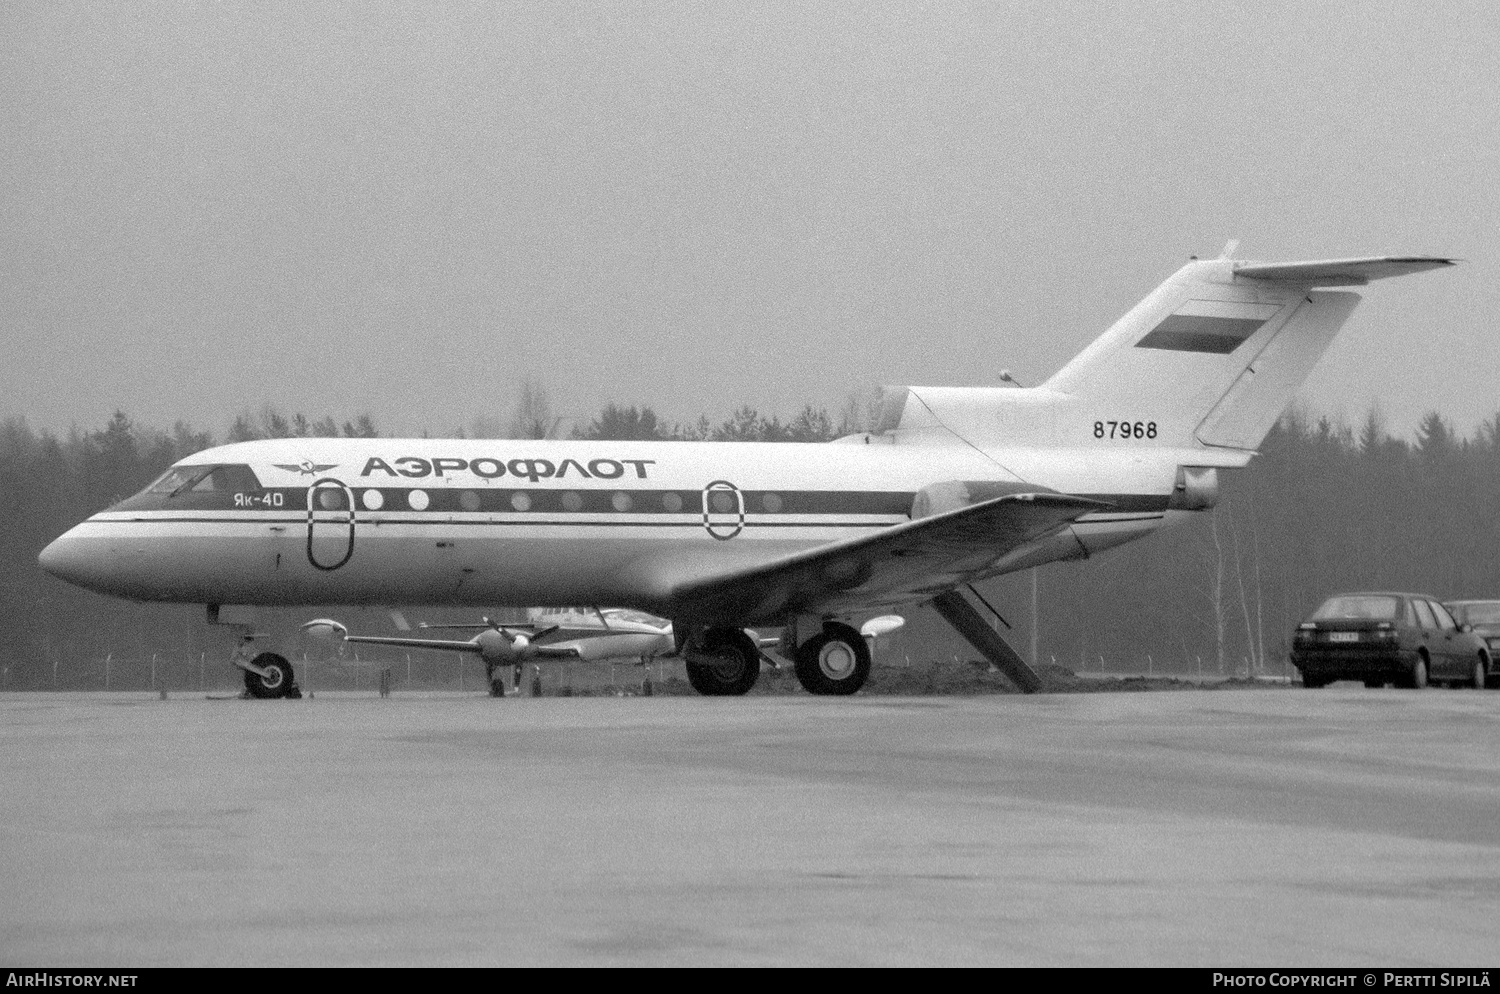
469 500
572 501
671 502
771 502
520 501
620 501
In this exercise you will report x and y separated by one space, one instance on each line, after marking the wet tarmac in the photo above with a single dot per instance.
1276 827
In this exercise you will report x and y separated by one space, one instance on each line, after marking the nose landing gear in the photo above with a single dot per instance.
269 675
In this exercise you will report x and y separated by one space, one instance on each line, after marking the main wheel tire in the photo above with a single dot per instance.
1479 673
835 661
278 679
725 664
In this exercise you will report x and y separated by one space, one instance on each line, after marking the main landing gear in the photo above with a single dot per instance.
834 661
722 662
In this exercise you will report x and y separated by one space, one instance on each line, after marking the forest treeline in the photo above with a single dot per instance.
1324 508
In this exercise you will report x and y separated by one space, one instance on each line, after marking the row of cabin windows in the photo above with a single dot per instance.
719 501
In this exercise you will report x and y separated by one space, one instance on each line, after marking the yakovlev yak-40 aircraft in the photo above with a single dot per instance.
954 485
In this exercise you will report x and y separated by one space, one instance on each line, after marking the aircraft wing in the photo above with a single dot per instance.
1341 272
907 562
450 645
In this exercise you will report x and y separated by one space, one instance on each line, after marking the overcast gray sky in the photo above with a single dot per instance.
407 209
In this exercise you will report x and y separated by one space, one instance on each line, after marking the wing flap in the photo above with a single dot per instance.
907 562
1341 272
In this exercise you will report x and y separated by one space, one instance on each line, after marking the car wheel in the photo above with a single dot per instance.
1479 673
1418 678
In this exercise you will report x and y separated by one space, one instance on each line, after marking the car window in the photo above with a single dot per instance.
1373 607
1479 613
1424 615
1445 620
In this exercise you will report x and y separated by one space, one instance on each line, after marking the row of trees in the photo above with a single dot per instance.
1325 507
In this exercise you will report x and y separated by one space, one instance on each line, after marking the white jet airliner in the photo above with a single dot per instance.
953 486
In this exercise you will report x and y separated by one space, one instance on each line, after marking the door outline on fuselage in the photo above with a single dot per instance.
347 513
721 524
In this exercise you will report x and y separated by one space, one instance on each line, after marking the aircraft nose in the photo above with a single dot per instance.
75 559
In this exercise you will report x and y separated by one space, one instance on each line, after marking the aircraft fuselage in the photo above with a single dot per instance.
520 522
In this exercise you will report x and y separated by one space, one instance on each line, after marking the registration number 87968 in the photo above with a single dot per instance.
1124 429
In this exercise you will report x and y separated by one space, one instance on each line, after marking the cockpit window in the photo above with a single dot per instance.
177 478
205 480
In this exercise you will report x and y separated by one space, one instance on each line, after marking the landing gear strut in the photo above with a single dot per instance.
722 662
834 661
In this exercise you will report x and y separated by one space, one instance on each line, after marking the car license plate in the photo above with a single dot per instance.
1343 636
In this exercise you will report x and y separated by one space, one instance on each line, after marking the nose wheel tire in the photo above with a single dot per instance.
725 663
835 661
278 679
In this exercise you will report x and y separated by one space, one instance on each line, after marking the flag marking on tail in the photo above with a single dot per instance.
1214 326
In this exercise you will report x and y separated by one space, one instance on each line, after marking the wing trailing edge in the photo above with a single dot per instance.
908 562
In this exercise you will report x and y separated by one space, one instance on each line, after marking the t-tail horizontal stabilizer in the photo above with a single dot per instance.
1340 272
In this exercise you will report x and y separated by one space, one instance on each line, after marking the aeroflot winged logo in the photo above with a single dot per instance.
307 467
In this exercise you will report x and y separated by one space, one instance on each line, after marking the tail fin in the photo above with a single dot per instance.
1215 354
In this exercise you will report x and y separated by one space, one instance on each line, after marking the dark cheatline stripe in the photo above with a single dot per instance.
759 505
556 500
1196 333
364 519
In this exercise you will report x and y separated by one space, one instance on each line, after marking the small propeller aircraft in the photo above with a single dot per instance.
601 635
952 486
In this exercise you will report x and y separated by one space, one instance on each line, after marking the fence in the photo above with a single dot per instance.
203 672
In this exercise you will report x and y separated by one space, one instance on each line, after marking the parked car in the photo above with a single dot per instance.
1380 638
1484 618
